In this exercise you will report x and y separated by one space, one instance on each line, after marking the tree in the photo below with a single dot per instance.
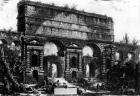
125 39
135 42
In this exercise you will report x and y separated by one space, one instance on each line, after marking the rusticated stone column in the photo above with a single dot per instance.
24 54
104 66
28 59
63 65
112 55
80 64
67 71
49 69
41 60
26 70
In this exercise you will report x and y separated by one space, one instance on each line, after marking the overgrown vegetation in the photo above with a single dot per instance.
126 40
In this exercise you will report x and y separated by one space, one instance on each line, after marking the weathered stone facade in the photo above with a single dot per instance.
70 30
123 49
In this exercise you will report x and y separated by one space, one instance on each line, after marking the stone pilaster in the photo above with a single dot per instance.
112 55
64 64
41 60
28 59
84 67
24 54
24 62
104 66
80 65
84 70
41 65
67 71
80 61
49 69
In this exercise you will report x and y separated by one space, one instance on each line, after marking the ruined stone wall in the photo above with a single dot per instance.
44 19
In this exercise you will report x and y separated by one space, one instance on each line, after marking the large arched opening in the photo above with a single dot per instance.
91 60
52 60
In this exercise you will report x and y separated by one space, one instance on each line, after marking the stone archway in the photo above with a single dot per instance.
53 66
53 59
92 60
56 70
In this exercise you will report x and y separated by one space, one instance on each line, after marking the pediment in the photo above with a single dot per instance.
73 45
34 42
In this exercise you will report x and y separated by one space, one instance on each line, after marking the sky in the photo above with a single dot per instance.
125 13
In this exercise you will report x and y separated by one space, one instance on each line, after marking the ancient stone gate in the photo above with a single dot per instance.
54 39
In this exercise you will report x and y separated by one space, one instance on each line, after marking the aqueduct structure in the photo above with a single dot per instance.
63 42
56 39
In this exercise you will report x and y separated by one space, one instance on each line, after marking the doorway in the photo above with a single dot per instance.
74 75
35 75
